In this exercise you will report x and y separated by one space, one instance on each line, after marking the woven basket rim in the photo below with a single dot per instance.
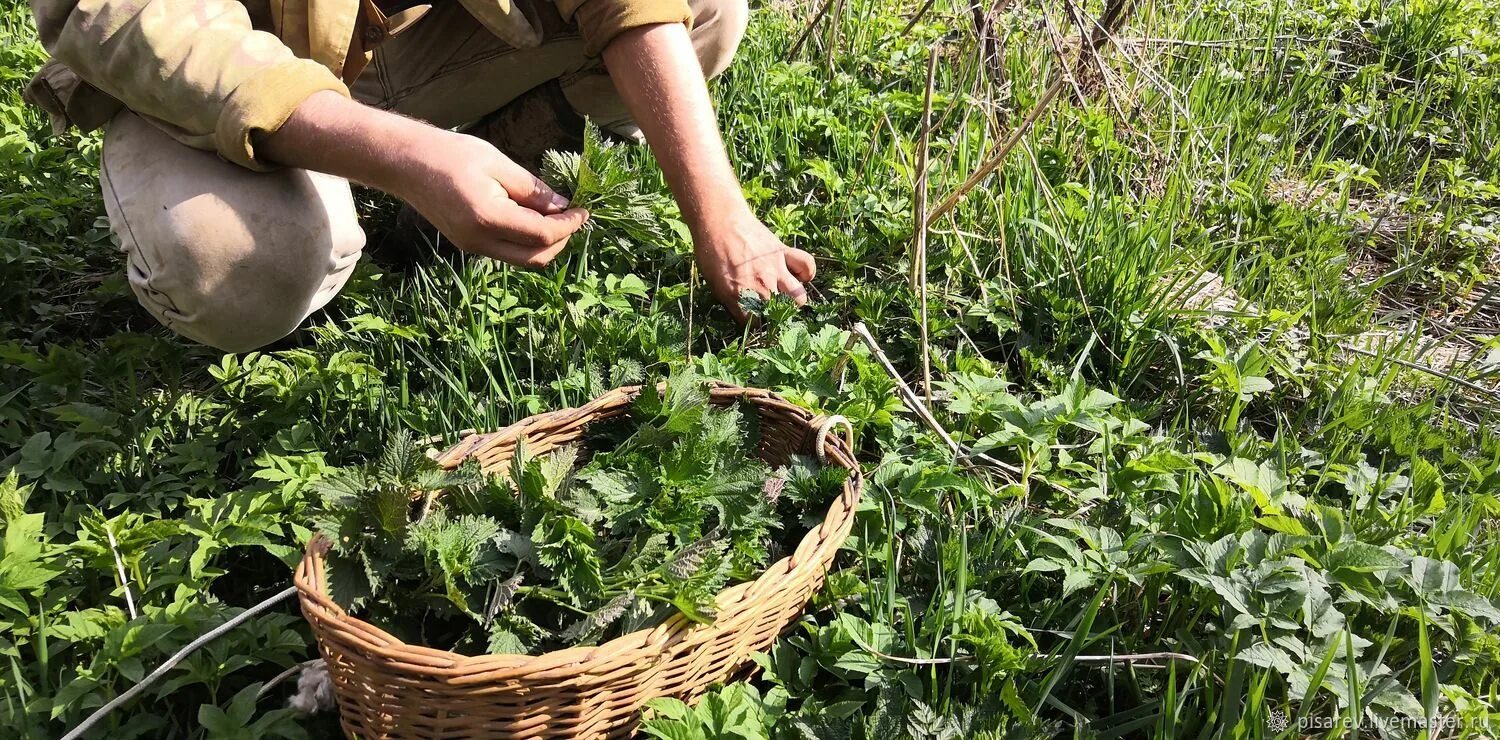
313 594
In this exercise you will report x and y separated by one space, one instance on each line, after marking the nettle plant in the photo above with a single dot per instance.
601 179
668 506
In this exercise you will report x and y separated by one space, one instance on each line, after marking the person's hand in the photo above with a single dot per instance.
740 254
485 203
475 195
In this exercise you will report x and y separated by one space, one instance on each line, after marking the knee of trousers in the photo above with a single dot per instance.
221 255
718 28
240 292
266 293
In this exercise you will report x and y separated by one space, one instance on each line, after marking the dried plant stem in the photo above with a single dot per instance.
919 218
1489 393
833 36
997 157
687 351
910 397
1054 37
915 405
114 549
1134 657
1119 658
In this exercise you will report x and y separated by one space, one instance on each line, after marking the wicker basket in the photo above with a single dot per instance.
389 689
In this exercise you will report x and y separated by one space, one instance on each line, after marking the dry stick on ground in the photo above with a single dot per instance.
1114 15
1169 91
915 404
1134 657
1000 153
1119 658
1210 294
919 219
1054 38
1489 393
1237 43
984 292
1455 328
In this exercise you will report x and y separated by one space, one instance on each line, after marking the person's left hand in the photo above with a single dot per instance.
740 254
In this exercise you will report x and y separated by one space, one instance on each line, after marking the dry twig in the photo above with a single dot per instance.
914 404
114 549
177 657
919 218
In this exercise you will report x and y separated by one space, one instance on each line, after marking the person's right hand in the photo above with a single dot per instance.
485 203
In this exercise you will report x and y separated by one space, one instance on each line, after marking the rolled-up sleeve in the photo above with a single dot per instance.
600 21
196 65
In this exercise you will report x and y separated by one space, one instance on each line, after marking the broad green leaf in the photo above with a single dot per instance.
1361 557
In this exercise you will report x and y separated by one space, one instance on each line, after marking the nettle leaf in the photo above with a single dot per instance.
347 584
510 562
590 627
689 561
515 544
504 642
610 486
697 607
557 471
528 476
565 545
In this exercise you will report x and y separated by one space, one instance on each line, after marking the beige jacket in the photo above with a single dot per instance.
214 72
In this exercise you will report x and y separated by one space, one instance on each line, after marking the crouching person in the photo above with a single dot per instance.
232 130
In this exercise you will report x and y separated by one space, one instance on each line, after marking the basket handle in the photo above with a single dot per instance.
824 425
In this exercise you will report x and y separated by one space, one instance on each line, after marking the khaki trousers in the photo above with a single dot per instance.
237 259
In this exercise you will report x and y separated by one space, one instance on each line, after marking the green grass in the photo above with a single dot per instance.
1315 528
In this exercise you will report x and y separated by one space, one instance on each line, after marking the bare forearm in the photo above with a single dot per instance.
657 73
477 197
333 134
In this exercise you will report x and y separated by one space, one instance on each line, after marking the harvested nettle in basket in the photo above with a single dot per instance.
654 513
627 513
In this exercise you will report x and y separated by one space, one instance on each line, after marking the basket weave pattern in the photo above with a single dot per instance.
389 689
